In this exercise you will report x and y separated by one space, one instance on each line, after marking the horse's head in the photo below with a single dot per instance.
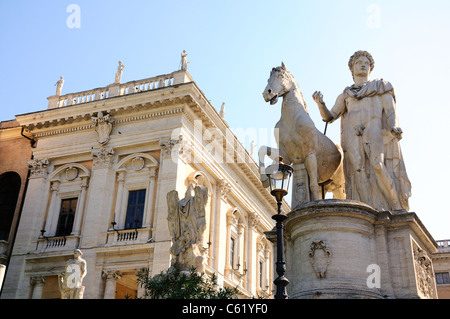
279 83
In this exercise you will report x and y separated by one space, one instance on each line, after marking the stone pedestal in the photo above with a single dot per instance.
53 102
114 90
346 249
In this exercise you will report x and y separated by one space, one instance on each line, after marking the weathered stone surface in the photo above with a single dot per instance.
346 249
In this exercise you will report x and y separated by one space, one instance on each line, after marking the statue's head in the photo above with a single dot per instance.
278 84
77 253
357 59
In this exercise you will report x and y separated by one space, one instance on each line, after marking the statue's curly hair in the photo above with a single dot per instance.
359 53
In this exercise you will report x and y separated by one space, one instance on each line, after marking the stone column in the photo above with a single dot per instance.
119 213
52 214
223 188
37 284
228 265
149 199
110 277
253 254
80 207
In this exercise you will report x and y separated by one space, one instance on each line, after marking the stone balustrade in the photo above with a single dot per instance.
118 89
443 245
129 236
57 243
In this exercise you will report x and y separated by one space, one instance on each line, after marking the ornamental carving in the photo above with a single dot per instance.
71 173
103 157
38 167
320 257
187 224
424 273
103 126
224 189
176 148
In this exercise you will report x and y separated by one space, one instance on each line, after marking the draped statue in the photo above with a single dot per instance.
374 169
187 224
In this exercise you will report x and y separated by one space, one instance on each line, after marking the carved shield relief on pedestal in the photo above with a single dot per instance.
320 257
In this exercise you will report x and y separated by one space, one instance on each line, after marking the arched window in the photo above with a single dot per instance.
9 193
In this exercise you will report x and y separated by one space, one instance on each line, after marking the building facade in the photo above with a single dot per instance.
103 163
15 152
441 264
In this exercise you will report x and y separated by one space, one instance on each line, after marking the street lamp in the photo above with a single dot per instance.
279 175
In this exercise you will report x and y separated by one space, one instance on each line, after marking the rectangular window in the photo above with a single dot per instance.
442 278
66 216
135 209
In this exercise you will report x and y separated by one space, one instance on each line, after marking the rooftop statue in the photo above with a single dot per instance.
119 72
187 224
373 164
299 141
59 85
184 61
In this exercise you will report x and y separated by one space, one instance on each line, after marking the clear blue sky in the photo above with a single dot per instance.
231 46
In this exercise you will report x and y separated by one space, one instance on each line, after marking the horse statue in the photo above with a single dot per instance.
300 142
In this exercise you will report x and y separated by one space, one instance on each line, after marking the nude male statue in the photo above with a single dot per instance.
70 281
373 165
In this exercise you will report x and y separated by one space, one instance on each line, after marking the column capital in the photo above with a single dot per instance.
38 167
37 280
224 189
174 148
111 274
103 157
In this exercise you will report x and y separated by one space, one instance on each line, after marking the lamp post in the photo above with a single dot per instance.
279 175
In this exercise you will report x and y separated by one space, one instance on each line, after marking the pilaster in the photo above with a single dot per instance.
172 173
100 199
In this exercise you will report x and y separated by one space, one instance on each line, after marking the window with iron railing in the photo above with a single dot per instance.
135 209
66 216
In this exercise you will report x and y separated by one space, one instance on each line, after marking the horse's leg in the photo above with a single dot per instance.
311 168
337 186
262 152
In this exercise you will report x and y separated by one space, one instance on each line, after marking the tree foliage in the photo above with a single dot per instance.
177 284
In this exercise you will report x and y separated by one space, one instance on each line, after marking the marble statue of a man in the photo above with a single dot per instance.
70 281
373 164
184 61
59 85
119 72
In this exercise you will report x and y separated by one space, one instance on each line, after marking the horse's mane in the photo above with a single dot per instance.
286 73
